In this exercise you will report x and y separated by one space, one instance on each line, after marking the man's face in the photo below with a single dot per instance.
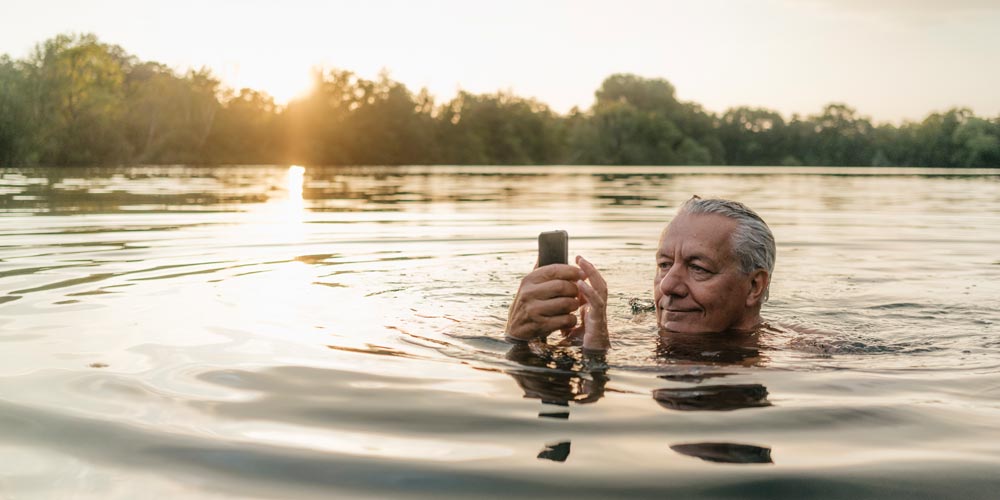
699 287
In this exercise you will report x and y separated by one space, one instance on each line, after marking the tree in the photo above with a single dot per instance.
649 94
839 138
635 121
76 98
753 136
16 125
500 129
169 117
244 131
934 139
389 125
977 144
315 130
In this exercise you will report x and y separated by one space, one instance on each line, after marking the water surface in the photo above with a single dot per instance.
269 332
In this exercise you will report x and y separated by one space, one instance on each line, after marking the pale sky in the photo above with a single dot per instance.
890 59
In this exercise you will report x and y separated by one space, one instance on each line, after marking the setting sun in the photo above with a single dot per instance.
282 80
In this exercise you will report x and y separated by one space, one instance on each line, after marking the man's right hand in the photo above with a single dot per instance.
545 302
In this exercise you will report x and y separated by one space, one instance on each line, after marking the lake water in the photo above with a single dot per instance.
268 332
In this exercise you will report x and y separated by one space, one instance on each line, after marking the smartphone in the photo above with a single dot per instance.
553 248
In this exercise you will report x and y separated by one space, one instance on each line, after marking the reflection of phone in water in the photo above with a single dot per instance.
553 248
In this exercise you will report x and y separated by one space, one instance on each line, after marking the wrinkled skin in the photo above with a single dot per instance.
698 286
548 299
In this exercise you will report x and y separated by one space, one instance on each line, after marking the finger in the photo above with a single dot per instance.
593 275
563 322
551 289
538 319
541 309
593 297
555 272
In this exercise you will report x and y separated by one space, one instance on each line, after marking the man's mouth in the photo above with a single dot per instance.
681 309
673 312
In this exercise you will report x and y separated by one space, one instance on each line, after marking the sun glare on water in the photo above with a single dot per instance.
285 215
296 179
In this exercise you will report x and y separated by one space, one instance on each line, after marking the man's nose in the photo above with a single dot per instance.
673 283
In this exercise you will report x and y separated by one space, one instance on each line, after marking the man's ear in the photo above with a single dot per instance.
759 280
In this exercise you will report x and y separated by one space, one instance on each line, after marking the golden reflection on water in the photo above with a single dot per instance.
295 178
285 216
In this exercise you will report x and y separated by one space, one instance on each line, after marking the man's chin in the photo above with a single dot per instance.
681 321
681 327
671 323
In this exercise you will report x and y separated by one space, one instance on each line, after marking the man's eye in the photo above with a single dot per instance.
698 269
663 265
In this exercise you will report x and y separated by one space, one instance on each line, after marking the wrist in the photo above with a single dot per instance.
596 342
524 336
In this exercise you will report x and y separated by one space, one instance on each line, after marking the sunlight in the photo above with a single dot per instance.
295 205
296 178
285 87
287 214
284 80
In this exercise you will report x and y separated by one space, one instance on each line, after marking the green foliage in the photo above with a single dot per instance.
348 120
169 117
245 130
753 136
76 96
977 144
77 101
498 129
638 121
16 125
839 137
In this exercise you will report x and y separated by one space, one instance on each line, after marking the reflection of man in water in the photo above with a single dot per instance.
713 269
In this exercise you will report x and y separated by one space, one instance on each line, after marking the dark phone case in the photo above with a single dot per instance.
553 248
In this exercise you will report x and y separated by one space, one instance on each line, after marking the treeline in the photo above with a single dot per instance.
77 101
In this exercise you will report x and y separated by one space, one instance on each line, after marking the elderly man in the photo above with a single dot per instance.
713 269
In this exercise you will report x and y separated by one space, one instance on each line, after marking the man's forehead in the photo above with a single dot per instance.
699 232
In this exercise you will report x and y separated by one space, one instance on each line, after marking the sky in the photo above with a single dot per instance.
892 60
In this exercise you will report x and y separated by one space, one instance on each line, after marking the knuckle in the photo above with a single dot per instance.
570 320
567 305
560 288
564 321
539 275
531 311
551 271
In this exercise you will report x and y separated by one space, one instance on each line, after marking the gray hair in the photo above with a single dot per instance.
752 241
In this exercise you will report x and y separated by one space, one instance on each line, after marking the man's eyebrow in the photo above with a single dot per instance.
698 256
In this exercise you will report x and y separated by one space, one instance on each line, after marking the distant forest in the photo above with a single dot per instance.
77 101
